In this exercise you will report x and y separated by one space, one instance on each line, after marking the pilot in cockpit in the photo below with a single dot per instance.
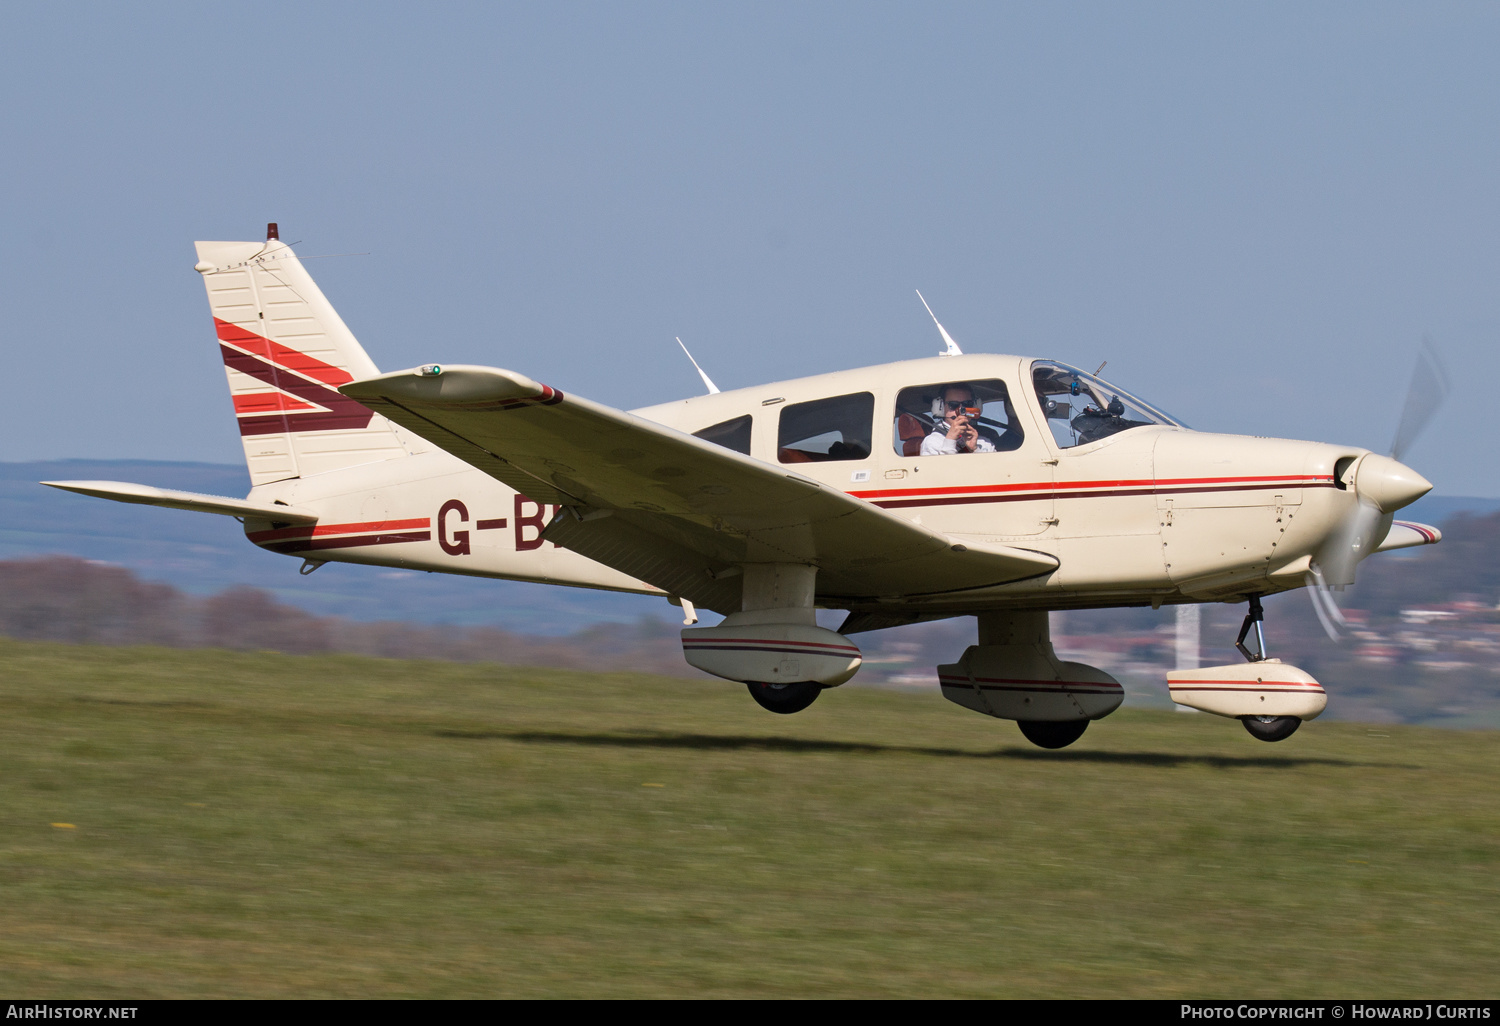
956 432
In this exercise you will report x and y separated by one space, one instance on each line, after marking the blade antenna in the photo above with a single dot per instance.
952 349
713 389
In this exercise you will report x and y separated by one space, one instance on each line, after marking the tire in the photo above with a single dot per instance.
785 698
1052 734
1271 728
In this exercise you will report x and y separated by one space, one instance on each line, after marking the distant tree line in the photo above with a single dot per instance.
63 598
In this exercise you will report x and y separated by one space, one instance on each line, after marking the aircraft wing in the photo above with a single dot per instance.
671 509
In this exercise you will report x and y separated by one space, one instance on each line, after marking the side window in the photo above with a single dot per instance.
956 417
826 430
731 434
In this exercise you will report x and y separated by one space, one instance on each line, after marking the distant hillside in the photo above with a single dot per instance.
64 598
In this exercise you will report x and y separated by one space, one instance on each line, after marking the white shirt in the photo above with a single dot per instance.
939 444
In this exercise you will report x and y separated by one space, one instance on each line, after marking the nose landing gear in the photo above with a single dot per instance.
1269 697
1262 728
1271 728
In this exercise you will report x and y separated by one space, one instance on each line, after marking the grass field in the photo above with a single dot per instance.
266 825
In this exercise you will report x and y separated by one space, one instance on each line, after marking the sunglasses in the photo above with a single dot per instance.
966 406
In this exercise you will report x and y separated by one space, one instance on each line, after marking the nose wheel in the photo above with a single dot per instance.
785 698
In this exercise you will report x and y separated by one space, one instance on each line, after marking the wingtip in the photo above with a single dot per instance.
449 384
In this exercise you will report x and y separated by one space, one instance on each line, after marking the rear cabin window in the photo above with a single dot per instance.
731 434
978 413
827 430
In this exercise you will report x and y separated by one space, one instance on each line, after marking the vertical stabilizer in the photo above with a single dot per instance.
286 351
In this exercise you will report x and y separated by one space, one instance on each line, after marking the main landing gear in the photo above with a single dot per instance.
1052 734
1014 674
787 698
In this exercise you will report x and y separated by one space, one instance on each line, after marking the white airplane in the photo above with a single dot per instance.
1000 487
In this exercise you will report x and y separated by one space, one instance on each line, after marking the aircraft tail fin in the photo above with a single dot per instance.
286 351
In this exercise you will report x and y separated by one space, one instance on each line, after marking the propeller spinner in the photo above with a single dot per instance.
1381 486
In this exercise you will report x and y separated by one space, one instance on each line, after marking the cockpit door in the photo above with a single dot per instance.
999 489
1106 525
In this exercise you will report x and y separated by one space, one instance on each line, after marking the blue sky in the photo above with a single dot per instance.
1252 211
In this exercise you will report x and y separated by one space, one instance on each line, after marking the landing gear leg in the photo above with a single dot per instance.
1263 728
1254 618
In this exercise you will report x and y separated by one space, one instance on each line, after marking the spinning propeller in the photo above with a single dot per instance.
1381 485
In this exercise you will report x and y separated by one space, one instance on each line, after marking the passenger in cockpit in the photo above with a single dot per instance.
956 432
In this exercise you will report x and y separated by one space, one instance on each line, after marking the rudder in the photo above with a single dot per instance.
286 351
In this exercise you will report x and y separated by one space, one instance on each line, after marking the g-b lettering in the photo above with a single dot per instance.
458 544
536 521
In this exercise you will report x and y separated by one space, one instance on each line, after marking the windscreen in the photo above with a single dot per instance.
1081 408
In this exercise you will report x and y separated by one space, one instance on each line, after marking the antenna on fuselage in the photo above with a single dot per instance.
952 349
713 389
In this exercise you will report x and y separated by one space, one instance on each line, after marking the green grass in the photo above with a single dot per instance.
266 825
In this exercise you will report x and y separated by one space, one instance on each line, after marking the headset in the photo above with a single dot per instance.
972 409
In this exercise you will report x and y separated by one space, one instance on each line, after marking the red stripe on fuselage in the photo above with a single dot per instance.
1138 483
317 530
1039 490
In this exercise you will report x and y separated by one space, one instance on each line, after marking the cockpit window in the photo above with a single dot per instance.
826 430
982 419
731 434
1081 408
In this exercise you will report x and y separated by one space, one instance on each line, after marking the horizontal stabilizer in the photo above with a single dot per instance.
145 495
1404 535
